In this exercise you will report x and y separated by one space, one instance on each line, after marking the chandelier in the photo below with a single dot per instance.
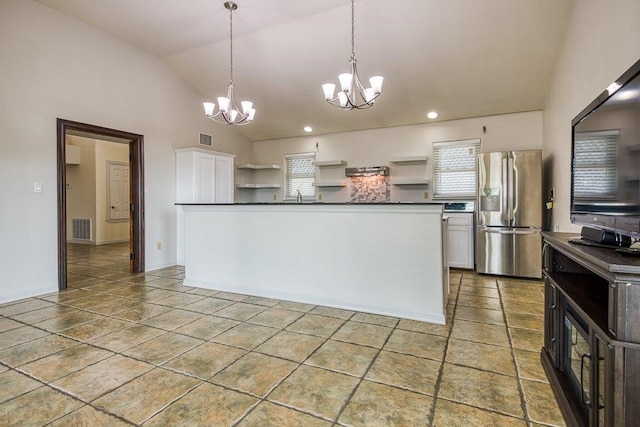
352 93
228 111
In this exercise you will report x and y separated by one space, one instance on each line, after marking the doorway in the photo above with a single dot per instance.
136 196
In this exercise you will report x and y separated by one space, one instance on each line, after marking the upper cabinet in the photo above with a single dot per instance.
72 154
204 176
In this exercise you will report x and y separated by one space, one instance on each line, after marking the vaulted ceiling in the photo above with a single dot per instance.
461 58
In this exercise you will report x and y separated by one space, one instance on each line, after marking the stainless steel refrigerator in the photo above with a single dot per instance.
509 213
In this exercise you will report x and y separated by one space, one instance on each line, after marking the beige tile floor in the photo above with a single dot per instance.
121 349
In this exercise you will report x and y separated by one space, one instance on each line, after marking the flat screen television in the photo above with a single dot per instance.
605 167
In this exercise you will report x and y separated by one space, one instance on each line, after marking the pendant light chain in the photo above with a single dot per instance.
231 44
353 31
229 111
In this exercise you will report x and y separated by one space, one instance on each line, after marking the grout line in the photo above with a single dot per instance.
436 391
364 374
523 404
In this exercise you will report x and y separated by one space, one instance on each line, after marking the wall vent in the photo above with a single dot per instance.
206 140
81 228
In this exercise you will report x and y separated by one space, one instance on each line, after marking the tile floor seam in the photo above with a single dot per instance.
62 391
160 410
436 390
302 363
366 371
523 403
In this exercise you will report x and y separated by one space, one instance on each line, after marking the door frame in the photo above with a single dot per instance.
136 164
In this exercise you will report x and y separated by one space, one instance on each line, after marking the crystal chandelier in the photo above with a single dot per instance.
352 93
228 111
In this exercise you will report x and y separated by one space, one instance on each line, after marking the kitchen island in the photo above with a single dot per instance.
378 258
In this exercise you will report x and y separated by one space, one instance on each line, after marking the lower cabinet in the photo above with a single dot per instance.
460 240
202 176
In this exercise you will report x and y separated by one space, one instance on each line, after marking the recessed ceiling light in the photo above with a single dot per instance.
308 129
432 115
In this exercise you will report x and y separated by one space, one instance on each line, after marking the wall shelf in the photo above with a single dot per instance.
409 159
331 184
256 186
256 167
409 181
330 163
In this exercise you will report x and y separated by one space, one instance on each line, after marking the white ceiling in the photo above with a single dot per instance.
461 58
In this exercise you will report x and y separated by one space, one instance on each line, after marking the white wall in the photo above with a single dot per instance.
602 41
56 67
375 147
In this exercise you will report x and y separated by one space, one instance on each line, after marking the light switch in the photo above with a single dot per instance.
37 187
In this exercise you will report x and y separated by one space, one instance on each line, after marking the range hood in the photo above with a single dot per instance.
367 171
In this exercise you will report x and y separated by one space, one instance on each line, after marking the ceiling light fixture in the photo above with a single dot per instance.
353 94
432 115
228 111
308 129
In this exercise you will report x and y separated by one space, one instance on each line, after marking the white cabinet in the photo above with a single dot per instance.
460 240
203 176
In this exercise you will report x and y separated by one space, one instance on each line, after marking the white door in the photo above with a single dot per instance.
118 208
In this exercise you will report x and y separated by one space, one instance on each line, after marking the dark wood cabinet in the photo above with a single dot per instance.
591 350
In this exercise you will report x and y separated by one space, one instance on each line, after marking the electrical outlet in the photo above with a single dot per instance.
319 196
275 197
556 227
159 246
426 195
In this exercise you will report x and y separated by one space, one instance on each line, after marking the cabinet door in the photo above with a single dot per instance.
205 178
460 241
551 320
224 179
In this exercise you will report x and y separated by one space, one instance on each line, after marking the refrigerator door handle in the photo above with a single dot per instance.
496 230
506 217
510 190
514 191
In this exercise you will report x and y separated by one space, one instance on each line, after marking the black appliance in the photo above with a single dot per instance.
605 173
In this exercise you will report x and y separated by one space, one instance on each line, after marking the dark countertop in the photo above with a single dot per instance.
448 207
305 203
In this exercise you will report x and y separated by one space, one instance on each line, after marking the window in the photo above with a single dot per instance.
454 169
300 175
595 172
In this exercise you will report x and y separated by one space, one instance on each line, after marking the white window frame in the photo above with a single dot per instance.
604 160
471 167
290 193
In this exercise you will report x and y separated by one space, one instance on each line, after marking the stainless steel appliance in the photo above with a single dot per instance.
509 213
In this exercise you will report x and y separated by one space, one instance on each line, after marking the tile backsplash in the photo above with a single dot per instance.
370 189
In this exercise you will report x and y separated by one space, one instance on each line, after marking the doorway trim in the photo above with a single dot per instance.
136 162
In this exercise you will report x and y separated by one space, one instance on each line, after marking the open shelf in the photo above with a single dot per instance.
409 159
256 167
331 184
257 186
587 293
409 181
330 163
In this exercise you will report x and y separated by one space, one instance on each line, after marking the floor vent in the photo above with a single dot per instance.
81 228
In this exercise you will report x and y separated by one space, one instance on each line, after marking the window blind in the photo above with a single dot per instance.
595 157
454 169
300 175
